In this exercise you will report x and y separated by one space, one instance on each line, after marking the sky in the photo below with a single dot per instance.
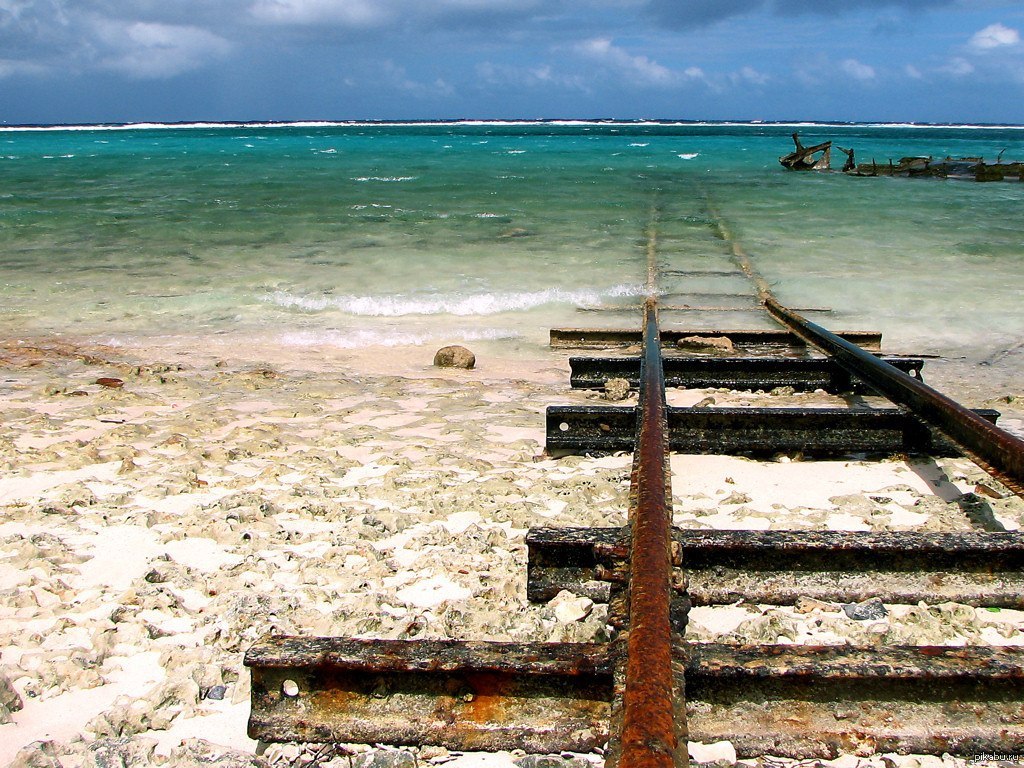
86 61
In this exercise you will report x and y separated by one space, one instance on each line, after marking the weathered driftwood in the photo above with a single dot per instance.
803 159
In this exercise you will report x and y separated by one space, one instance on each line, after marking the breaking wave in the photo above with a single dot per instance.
358 339
449 304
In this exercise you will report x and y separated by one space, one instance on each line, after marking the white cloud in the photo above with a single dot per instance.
399 79
365 14
351 13
994 36
155 51
11 67
913 72
857 70
637 67
541 75
751 75
958 67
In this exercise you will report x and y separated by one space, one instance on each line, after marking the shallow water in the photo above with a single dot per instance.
346 236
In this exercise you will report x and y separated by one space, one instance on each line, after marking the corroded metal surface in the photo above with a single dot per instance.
806 701
542 697
780 567
814 431
604 337
997 448
795 701
803 374
653 731
935 664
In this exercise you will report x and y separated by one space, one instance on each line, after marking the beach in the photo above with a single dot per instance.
154 530
220 418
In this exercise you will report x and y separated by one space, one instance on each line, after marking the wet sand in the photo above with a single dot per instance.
152 531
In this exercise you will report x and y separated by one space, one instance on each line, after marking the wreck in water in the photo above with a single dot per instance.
819 158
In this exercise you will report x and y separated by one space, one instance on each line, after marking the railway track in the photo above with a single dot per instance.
642 696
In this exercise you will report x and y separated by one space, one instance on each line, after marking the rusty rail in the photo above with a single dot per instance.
996 448
654 721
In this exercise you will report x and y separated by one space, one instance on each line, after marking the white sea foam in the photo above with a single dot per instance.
390 179
361 338
450 304
688 155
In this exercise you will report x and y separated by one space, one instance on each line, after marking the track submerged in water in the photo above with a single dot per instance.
649 690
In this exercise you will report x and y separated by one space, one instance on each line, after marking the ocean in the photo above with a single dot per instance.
349 236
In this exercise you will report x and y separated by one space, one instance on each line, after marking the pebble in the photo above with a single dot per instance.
616 389
868 610
109 382
386 758
810 605
568 607
552 761
10 700
38 754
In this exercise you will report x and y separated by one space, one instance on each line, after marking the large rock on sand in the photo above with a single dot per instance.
454 356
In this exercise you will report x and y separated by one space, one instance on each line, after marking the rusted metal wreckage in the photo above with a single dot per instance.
818 158
648 691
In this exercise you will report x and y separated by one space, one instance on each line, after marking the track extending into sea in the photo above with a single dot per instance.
347 236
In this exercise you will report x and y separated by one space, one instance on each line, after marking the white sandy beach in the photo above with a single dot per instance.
151 532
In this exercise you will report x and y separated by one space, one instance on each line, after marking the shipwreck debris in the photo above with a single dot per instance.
959 168
803 158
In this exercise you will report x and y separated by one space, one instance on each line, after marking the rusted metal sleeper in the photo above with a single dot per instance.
742 430
610 337
780 567
803 374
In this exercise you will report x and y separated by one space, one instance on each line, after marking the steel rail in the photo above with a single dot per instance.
996 448
993 449
653 733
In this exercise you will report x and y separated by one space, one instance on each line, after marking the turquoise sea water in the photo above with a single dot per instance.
345 236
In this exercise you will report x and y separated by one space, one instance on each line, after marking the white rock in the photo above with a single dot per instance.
428 593
712 753
568 607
